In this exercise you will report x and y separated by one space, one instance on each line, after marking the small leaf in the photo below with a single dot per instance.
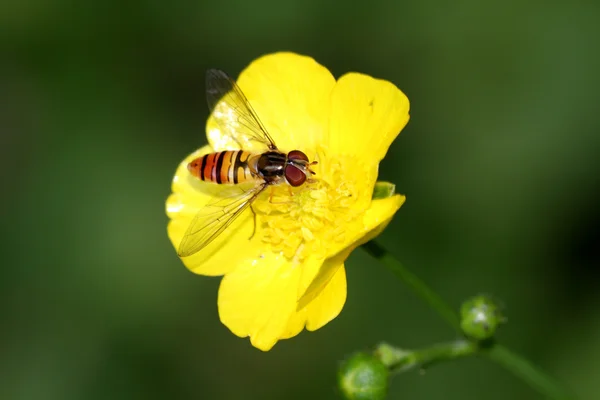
383 190
391 356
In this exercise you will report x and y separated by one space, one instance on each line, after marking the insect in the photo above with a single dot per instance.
237 121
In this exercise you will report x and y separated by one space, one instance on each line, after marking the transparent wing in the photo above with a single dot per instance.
232 111
215 217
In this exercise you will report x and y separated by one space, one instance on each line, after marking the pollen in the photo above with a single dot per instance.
315 217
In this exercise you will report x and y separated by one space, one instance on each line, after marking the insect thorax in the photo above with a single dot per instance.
271 165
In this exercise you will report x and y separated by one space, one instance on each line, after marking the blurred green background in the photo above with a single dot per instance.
99 102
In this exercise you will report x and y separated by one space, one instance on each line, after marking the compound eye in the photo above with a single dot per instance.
294 175
297 155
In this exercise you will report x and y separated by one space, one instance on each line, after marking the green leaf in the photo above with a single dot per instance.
383 190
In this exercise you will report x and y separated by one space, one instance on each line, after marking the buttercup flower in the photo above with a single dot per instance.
283 261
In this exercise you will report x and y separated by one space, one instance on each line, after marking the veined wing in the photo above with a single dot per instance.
215 217
233 112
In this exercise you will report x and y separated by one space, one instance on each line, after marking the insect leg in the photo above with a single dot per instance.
279 202
271 194
254 226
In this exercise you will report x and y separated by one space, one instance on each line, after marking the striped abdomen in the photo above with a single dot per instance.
230 166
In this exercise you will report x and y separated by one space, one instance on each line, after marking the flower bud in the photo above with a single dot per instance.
480 317
363 377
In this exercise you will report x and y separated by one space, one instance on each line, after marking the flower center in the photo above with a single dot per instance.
315 217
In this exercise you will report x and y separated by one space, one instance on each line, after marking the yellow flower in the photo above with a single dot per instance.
287 271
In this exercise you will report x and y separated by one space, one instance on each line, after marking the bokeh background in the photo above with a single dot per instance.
99 102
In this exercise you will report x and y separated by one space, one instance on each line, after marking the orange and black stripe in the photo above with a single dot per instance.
230 166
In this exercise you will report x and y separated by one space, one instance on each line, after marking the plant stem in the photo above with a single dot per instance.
416 284
516 364
400 360
525 370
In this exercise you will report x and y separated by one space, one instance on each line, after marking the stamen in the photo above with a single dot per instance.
309 219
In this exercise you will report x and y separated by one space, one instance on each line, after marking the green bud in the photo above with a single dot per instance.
363 377
480 316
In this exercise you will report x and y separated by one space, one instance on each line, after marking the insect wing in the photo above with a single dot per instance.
215 217
232 111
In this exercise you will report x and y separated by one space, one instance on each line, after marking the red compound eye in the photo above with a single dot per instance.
297 155
294 175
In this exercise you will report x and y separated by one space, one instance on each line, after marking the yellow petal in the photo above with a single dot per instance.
375 220
258 298
188 197
329 303
381 211
290 94
324 307
366 116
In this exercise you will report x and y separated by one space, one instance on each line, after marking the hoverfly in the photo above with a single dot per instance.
238 121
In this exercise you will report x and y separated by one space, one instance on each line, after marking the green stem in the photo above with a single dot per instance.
400 360
527 372
516 364
416 284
